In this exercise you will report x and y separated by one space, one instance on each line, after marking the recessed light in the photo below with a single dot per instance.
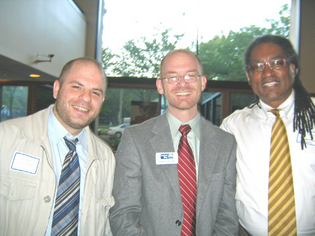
34 75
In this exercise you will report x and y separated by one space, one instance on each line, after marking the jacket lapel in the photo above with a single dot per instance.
207 159
162 142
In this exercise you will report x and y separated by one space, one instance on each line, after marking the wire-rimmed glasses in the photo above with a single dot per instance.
175 79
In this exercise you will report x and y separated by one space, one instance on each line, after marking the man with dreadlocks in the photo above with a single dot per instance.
272 70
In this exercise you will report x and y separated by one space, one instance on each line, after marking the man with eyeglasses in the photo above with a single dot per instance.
272 70
151 189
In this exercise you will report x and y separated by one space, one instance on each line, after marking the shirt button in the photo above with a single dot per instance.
47 199
178 222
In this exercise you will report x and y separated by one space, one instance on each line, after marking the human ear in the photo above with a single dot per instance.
248 79
56 89
159 86
203 82
292 69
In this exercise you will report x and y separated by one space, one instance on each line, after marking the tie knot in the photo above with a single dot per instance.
184 129
71 143
275 112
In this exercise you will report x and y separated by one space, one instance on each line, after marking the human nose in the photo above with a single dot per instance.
86 96
181 81
267 69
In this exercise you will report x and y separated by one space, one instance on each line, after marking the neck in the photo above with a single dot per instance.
183 115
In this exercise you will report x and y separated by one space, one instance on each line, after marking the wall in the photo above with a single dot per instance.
307 44
42 26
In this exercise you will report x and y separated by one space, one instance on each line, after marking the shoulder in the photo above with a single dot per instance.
33 119
150 125
100 150
97 142
31 128
11 130
239 115
18 122
209 129
238 118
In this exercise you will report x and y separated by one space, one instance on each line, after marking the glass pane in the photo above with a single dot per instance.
13 100
240 100
121 108
137 35
210 106
44 96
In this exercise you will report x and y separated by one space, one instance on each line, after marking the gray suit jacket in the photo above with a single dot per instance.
148 198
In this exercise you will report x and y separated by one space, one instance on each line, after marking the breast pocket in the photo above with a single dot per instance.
15 190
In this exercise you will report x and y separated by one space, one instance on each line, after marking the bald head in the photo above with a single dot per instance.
84 61
176 53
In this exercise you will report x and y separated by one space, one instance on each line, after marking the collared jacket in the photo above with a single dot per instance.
28 182
148 196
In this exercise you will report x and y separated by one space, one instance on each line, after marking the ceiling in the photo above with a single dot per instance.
14 70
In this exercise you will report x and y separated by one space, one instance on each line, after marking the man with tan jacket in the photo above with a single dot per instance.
32 152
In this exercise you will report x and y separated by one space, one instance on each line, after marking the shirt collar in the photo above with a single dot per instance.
175 123
56 131
285 108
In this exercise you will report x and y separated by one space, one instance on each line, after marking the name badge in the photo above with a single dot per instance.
308 138
24 163
166 158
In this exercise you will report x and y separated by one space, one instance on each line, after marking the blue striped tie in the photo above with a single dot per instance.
65 221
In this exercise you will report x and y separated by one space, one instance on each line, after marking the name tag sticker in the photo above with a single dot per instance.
24 163
166 158
308 138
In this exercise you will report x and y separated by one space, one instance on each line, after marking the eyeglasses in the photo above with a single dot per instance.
175 79
273 64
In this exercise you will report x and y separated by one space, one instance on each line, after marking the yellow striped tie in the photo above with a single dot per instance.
281 204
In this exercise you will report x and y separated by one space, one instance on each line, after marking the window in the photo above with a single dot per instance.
13 100
240 100
44 96
138 34
21 99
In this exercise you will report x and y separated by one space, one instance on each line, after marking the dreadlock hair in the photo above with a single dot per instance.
304 111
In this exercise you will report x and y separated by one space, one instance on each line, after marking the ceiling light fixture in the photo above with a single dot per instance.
34 75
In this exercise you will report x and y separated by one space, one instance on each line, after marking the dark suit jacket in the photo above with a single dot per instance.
148 198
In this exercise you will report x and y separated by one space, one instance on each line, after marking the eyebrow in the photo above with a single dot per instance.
94 89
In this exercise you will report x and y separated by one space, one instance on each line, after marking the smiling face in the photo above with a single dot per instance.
272 86
79 96
182 97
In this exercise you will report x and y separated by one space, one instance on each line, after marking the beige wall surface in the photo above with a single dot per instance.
307 44
32 27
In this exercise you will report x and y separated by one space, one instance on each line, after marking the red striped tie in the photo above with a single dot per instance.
187 180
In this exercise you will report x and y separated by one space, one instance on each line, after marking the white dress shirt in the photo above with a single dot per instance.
252 130
56 133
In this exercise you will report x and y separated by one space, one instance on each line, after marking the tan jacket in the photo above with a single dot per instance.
26 197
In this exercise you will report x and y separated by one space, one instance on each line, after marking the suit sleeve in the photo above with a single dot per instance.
125 215
227 220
